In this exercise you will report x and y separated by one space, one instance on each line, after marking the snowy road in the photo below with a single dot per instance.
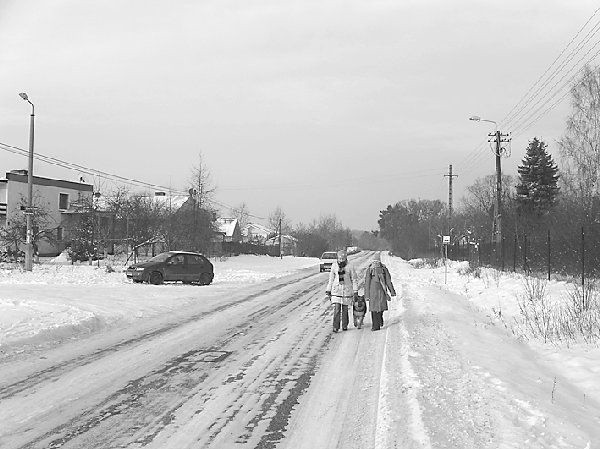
439 375
261 368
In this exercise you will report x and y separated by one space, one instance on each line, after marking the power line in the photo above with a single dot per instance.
104 175
373 179
514 112
532 119
531 107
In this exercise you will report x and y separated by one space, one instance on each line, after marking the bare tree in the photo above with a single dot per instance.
242 213
478 203
201 184
580 146
274 219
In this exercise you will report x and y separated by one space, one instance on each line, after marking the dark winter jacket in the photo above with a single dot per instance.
378 286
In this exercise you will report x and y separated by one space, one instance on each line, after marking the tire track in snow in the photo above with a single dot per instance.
56 370
151 393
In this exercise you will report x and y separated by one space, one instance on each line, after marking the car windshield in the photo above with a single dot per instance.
329 256
160 258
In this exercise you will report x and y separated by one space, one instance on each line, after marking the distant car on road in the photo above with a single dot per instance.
183 266
327 259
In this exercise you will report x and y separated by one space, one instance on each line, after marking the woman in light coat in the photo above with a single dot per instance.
377 284
342 289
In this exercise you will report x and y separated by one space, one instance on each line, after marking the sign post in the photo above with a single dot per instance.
445 242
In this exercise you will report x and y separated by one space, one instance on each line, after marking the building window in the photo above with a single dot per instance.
63 201
59 234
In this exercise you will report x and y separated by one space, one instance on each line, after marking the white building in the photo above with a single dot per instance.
54 196
228 230
256 233
289 244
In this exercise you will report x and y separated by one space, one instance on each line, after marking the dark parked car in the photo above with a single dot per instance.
181 266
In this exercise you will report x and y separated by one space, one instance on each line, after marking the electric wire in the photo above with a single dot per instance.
539 113
105 175
551 93
526 112
516 110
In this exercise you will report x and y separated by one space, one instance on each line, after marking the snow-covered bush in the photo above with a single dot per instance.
576 317
535 308
468 270
425 263
581 314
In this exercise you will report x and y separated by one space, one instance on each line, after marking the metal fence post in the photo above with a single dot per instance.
502 253
548 254
515 255
582 257
525 252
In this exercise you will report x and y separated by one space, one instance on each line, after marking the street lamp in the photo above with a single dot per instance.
29 210
497 234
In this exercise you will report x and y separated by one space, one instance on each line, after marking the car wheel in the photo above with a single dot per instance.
155 278
137 281
187 282
205 279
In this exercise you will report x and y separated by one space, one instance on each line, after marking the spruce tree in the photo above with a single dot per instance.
538 180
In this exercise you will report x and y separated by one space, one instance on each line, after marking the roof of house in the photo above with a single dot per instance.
226 226
284 238
172 201
21 176
102 202
256 228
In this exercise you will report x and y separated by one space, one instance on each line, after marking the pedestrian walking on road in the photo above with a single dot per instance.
342 289
378 283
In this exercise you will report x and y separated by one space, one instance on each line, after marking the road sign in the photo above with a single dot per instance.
446 239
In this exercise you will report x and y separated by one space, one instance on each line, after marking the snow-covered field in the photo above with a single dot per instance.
57 301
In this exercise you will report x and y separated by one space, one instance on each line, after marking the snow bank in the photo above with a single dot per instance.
57 301
496 294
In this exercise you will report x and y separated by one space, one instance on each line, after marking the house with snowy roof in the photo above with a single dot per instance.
228 230
289 244
256 233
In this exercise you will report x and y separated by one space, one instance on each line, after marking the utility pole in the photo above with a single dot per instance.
450 176
29 209
499 138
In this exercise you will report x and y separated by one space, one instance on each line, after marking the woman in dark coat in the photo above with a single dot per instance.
377 284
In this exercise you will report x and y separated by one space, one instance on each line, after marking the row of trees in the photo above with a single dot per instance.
543 196
129 221
122 219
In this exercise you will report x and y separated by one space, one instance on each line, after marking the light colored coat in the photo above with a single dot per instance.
342 293
376 277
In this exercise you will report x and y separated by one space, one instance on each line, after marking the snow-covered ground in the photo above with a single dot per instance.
497 294
447 369
57 301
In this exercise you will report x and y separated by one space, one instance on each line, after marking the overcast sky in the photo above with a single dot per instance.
318 107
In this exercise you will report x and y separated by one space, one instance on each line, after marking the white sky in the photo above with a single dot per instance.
314 106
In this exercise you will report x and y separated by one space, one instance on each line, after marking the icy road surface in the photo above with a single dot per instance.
260 368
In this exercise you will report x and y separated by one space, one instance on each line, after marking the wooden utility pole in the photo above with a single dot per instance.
499 138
